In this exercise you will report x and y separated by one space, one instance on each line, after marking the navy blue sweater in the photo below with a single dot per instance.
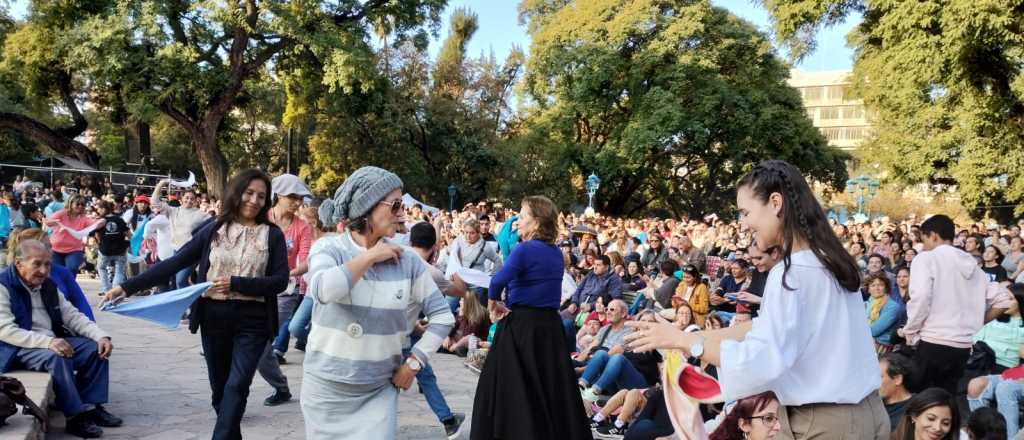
532 274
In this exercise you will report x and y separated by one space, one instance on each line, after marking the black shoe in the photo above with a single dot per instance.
602 424
280 358
278 398
611 432
453 425
101 417
83 426
300 346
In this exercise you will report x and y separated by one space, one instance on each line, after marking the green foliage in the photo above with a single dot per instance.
669 102
434 123
944 77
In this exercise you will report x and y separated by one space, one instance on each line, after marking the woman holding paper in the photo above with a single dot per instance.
245 260
811 305
527 388
70 227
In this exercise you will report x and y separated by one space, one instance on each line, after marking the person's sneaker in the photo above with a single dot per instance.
611 432
278 398
83 426
280 358
453 425
594 425
589 395
301 346
102 418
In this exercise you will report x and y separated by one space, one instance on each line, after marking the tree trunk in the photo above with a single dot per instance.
43 134
215 166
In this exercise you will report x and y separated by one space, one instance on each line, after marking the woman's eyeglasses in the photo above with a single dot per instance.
396 205
768 419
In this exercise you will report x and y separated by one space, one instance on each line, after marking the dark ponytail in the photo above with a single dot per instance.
802 216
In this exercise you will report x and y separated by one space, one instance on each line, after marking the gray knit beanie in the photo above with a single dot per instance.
358 195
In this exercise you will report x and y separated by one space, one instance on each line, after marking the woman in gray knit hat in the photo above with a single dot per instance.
367 294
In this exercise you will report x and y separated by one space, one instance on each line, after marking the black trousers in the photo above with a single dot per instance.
941 366
234 335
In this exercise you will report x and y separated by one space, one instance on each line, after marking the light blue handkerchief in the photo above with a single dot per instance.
165 308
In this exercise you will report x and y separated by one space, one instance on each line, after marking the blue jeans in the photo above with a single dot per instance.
1007 394
300 322
612 373
71 261
639 303
287 305
78 381
570 335
119 262
181 278
428 382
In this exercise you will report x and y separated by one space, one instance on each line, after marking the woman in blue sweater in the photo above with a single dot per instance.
527 388
883 310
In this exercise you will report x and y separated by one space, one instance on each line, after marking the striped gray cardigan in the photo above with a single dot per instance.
386 302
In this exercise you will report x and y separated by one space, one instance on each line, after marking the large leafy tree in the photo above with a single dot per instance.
669 102
191 61
434 122
945 79
41 88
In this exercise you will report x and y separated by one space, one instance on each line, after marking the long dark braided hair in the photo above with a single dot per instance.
802 216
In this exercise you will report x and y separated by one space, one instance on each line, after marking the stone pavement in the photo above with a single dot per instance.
158 384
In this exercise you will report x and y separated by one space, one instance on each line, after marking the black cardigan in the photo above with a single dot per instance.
197 252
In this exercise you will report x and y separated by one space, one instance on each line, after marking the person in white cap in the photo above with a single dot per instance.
289 191
183 219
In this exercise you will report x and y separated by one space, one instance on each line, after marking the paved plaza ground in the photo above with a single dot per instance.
158 385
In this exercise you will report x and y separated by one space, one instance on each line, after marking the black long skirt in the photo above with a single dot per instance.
527 388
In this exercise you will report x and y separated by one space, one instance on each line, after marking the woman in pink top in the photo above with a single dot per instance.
68 250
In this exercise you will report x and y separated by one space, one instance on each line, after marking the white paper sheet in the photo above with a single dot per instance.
184 183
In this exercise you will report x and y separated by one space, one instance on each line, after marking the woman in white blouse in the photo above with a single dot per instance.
811 344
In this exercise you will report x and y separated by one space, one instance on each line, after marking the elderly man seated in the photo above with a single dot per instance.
42 331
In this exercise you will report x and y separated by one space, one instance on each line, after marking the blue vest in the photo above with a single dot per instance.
21 307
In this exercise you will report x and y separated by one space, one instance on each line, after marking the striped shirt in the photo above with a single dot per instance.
385 302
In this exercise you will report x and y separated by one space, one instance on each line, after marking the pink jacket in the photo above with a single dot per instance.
949 295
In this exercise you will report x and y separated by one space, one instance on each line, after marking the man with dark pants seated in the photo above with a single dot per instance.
42 331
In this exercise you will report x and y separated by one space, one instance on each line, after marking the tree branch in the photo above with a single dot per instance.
67 97
43 134
340 19
184 121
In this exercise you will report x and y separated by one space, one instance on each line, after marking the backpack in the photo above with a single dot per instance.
12 393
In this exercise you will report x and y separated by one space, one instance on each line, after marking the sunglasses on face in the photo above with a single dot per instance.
396 205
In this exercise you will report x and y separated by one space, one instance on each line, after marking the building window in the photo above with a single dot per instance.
853 112
810 112
835 93
829 113
832 134
812 93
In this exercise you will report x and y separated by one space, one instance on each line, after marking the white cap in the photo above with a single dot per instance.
289 184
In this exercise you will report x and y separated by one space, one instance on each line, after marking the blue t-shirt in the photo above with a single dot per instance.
532 274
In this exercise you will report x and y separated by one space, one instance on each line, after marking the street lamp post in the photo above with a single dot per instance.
865 187
451 197
593 183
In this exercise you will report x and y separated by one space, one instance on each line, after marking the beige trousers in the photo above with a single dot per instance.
866 420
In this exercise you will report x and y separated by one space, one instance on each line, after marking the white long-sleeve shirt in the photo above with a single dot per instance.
811 344
41 333
159 228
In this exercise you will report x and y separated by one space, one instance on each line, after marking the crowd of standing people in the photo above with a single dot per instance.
886 329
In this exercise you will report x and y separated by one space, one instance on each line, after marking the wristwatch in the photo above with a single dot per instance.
697 348
413 364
